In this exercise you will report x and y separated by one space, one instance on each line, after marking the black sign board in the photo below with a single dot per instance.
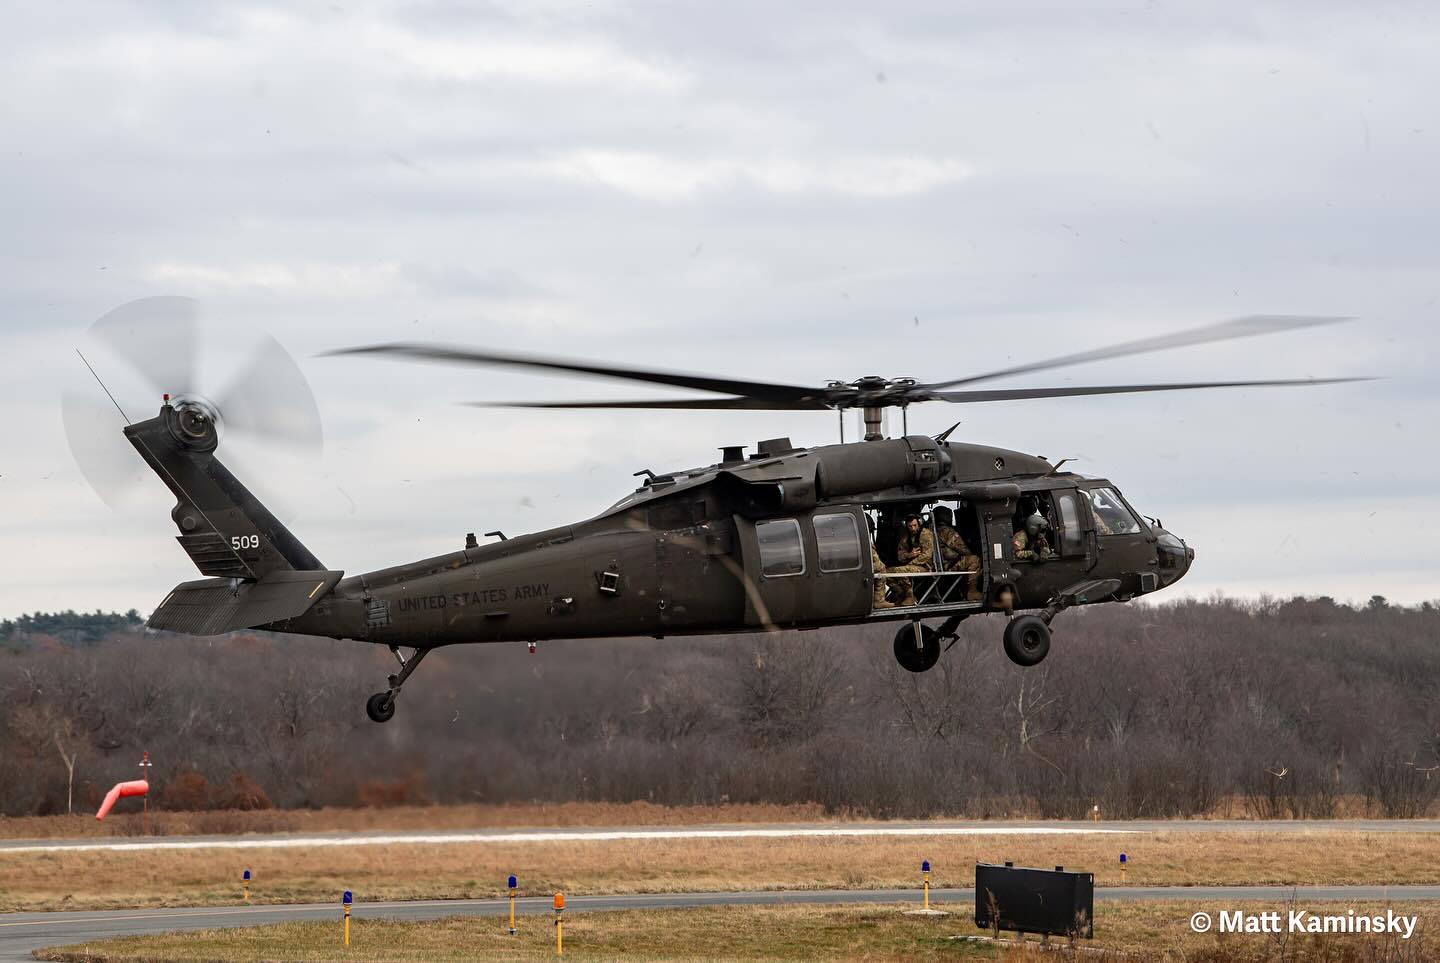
1049 901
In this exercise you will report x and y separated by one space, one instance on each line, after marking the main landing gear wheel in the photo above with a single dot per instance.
1027 640
917 647
380 707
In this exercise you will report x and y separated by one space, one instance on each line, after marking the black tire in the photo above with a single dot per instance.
1027 640
917 658
380 707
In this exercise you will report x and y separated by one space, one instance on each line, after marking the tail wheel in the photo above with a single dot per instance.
917 647
1027 640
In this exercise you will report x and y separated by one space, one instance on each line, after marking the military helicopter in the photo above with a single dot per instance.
784 537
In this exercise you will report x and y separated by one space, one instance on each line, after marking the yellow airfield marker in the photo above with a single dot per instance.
559 924
925 909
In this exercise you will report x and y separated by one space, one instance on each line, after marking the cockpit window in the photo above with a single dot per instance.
1112 516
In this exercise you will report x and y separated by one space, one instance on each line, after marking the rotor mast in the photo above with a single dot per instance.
872 394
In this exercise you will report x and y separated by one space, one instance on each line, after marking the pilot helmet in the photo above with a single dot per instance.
1036 524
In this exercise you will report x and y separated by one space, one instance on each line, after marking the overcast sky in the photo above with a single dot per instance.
795 192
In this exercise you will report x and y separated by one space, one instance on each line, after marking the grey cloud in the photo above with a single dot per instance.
537 177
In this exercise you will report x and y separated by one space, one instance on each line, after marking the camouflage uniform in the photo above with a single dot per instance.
1024 552
916 553
878 568
958 558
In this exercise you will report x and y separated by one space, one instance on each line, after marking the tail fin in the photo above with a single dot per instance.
226 531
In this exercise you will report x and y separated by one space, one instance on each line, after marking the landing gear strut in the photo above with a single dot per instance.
380 707
917 646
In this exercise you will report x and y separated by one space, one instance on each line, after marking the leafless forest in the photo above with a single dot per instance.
1292 708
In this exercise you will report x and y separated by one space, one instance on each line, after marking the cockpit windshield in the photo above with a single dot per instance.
1112 515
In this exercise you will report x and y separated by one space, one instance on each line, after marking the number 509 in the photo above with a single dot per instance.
245 541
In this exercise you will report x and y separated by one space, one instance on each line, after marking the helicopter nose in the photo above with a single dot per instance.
1174 557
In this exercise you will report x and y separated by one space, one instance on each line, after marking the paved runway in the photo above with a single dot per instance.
20 933
732 831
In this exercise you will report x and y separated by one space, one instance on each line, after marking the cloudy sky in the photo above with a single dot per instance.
795 192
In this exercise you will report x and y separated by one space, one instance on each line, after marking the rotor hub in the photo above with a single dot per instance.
195 422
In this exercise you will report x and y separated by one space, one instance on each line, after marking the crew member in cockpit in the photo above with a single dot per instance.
1031 542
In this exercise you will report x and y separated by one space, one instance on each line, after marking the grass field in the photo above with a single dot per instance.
511 815
97 880
517 815
1140 932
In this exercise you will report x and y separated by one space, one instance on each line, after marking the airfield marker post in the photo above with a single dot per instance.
559 924
925 871
1123 861
345 901
245 884
512 882
145 765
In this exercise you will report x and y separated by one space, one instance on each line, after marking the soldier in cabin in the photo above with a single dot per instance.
916 553
955 555
878 569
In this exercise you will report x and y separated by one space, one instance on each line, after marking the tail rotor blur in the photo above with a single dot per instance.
157 346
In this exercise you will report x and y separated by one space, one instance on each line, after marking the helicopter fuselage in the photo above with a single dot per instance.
775 541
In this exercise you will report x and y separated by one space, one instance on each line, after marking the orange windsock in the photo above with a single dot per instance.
123 790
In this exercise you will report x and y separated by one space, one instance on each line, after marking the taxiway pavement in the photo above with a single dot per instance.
21 933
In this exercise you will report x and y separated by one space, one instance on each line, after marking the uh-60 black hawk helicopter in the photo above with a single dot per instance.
779 538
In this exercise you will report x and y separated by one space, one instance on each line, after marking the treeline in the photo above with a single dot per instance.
1300 708
68 626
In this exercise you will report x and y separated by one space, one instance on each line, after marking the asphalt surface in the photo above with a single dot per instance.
21 933
744 830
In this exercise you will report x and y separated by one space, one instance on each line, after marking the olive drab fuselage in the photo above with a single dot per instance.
786 538
766 542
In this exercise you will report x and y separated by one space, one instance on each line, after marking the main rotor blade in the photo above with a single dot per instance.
1022 394
753 404
441 353
1247 327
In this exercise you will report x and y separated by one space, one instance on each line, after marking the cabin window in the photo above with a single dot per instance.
1072 538
1112 515
837 543
781 550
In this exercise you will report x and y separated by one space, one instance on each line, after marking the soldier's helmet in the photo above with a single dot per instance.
1036 524
943 516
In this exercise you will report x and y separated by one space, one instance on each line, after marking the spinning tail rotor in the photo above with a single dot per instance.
152 348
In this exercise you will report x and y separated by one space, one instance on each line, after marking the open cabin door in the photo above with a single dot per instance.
803 569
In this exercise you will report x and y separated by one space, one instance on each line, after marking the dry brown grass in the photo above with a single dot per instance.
510 815
209 877
1135 931
513 815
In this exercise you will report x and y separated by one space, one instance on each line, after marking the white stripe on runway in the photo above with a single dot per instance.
444 839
